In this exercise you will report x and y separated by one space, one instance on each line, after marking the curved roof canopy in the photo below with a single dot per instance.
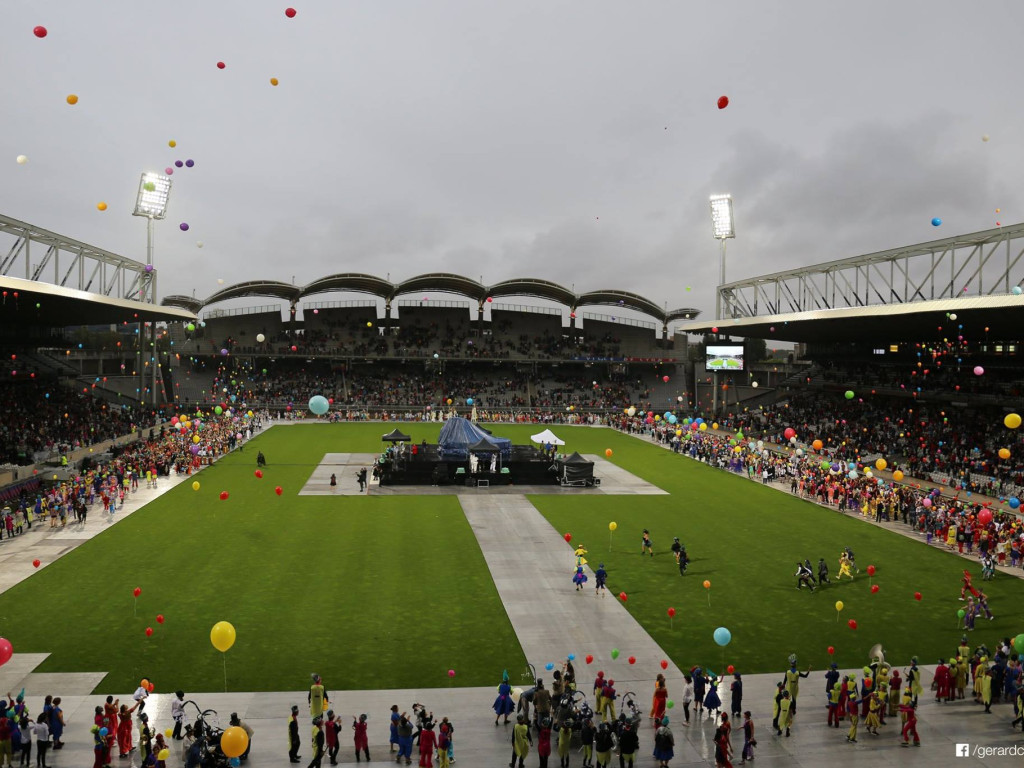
442 282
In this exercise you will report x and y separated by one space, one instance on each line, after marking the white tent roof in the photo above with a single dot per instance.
547 436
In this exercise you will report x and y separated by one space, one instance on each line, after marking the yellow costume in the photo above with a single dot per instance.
844 567
874 707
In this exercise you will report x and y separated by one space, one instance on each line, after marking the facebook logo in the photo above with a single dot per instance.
963 750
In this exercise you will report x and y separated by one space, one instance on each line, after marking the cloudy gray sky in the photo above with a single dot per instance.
572 140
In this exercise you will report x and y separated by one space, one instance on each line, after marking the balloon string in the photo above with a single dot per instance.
225 672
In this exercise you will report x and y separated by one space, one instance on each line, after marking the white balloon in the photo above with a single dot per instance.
985 137
260 338
22 159
199 244
220 281
753 384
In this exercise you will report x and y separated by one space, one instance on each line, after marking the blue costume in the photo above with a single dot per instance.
601 575
711 701
579 578
503 704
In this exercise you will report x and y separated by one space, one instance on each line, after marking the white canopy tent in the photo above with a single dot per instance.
547 437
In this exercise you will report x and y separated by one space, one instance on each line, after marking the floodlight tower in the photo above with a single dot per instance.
151 204
723 227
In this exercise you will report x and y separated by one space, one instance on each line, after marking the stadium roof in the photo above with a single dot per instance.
441 282
29 303
998 317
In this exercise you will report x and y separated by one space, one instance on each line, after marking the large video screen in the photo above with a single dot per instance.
724 357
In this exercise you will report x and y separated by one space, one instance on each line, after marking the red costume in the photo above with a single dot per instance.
942 682
967 585
360 735
660 701
910 727
428 741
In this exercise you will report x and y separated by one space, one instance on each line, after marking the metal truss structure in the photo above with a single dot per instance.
43 256
976 264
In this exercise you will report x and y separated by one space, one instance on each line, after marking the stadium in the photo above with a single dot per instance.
328 510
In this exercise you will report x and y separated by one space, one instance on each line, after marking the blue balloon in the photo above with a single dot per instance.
104 732
936 222
1017 290
1014 502
572 656
549 666
469 401
234 762
723 636
318 404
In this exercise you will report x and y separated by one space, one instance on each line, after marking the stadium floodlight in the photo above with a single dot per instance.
154 191
724 227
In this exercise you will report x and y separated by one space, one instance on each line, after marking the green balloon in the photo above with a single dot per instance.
149 186
190 327
218 410
1018 643
961 613
849 394
615 653
669 704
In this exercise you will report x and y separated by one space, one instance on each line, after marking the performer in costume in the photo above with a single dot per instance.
967 586
844 567
503 705
645 546
822 571
579 578
804 576
942 680
600 576
914 680
712 702
872 721
793 680
909 713
660 700
317 696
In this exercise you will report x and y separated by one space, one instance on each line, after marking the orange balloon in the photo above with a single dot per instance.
707 584
273 81
72 99
101 206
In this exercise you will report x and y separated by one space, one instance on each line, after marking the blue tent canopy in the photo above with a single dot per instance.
458 435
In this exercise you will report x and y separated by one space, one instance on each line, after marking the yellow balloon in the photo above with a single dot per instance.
164 753
679 433
72 99
703 427
881 464
839 605
101 206
715 425
168 733
612 526
223 637
1004 453
195 485
897 475
172 143
1012 420
234 741
195 438
273 81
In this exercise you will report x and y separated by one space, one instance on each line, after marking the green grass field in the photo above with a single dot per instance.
391 592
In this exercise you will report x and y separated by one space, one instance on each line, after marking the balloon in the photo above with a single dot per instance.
927 502
1014 502
549 666
168 733
516 693
172 143
839 605
6 650
137 591
612 526
279 490
259 474
222 635
961 613
567 537
72 99
35 563
730 669
183 227
234 741
897 475
149 631
871 570
671 613
664 664
21 159
273 81
831 650
615 653
707 584
789 433
318 404
159 618
223 495
589 658
1017 290
722 636
190 327
623 596
451 672
178 164
936 222
665 379
881 464
163 754
221 65
723 102
917 596
1004 453
1018 644
40 32
979 371
817 445
260 338
669 704
985 517
631 659
101 206
290 12
849 394
984 137
608 452
874 588
104 732
169 171
851 624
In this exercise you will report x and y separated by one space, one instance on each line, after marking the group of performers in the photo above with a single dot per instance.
977 602
579 576
805 574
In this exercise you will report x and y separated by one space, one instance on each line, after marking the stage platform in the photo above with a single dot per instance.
615 481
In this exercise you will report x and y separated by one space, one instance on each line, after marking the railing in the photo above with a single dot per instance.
263 309
620 321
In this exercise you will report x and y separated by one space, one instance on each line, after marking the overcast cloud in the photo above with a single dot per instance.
574 141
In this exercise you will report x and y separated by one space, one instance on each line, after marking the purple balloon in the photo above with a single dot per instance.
178 163
169 171
149 267
190 163
223 351
194 448
183 227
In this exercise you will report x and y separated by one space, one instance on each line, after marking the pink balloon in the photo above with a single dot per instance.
6 650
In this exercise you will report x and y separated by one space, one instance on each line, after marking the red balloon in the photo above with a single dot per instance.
730 669
874 588
149 631
40 32
723 102
852 624
35 563
665 379
985 517
221 65
623 596
259 473
223 495
279 490
6 650
568 537
671 613
589 659
664 664
871 570
917 596
290 12
631 659
831 650
137 591
159 618
789 433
